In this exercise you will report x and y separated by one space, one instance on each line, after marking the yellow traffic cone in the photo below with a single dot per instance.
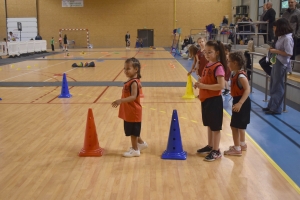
189 92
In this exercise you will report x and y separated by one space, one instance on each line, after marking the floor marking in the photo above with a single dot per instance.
30 72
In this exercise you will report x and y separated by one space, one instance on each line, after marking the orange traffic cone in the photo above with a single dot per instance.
91 145
140 90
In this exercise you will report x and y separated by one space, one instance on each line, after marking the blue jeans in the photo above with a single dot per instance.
277 87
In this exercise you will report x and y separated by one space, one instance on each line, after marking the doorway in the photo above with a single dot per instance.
147 35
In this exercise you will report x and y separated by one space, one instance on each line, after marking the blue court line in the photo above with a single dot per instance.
277 135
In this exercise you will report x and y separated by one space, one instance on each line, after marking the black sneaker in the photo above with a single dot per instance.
266 109
213 155
204 150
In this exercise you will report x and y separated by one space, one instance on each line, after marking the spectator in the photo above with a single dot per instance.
185 42
283 51
270 17
190 40
225 21
11 37
262 28
38 37
292 14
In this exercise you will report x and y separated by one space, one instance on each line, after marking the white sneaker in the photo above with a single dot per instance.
142 146
132 153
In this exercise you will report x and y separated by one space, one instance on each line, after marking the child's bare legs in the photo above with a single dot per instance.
216 139
242 135
210 137
134 142
236 136
140 141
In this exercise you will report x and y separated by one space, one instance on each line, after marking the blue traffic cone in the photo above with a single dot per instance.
174 149
65 89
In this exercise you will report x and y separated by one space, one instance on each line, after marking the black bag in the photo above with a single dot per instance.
266 66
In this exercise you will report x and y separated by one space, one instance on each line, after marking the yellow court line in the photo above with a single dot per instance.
275 165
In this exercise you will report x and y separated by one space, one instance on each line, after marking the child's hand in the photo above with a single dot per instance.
116 103
196 85
237 107
189 73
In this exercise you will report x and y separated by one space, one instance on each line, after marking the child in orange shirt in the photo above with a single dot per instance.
241 104
211 84
130 107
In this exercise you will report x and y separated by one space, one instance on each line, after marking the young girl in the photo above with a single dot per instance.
193 54
211 85
241 103
200 60
228 72
130 108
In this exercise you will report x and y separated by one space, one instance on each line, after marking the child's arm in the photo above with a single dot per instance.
219 86
236 107
193 66
132 97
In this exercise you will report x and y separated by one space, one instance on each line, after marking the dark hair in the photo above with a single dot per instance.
193 50
238 57
227 47
218 46
65 36
283 27
136 64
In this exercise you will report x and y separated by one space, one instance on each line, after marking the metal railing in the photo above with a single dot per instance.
267 79
236 31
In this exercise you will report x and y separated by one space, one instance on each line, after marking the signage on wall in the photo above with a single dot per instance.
72 3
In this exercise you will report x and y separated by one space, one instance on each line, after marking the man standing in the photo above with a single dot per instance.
292 14
262 28
270 17
127 40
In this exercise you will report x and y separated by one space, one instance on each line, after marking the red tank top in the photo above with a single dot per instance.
235 89
202 62
131 111
208 77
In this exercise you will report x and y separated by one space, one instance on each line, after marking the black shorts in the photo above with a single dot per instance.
212 113
241 119
132 128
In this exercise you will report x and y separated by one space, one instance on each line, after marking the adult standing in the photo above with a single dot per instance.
127 40
65 43
262 28
283 50
225 21
270 17
292 14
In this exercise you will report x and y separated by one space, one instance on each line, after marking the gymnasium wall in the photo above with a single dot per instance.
2 21
108 20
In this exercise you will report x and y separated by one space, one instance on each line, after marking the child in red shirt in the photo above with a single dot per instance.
130 108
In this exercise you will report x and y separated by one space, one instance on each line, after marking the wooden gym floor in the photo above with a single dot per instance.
41 135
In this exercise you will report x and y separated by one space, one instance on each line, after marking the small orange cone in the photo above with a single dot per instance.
141 91
91 145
